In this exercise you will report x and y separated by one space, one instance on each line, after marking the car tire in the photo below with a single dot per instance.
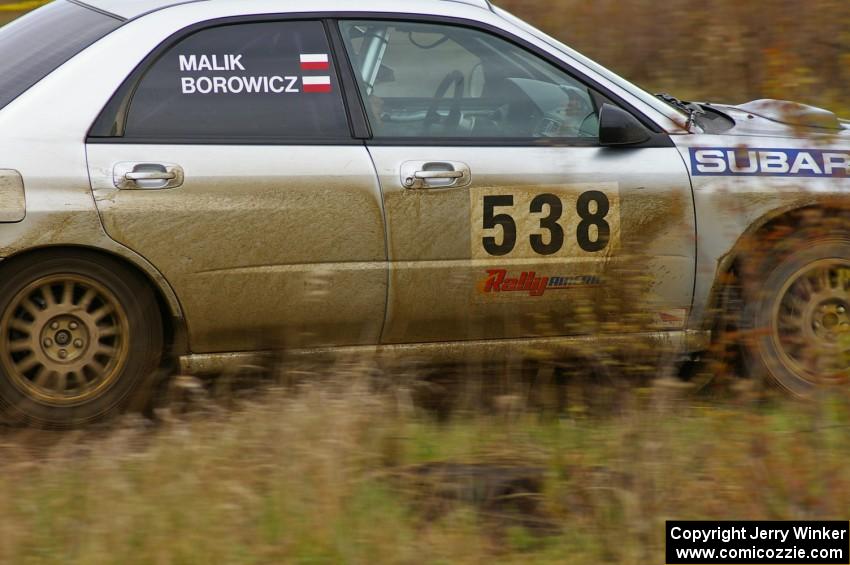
796 290
79 334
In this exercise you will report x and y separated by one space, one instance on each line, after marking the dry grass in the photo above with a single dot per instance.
332 472
345 470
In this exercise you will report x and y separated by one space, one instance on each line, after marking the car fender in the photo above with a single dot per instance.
731 207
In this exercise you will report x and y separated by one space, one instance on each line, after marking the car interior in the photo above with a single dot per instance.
430 80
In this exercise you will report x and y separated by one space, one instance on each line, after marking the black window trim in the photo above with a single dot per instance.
113 116
358 121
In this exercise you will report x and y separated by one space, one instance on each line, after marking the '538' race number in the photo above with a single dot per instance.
527 223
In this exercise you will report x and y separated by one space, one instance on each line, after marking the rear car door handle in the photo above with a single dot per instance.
419 175
147 176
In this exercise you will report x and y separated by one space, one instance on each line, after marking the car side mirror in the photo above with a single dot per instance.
618 127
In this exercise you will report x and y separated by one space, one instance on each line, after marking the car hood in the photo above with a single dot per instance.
783 119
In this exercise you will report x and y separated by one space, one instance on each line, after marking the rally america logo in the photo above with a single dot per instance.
498 281
747 161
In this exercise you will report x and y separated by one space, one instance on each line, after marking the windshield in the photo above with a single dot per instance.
36 44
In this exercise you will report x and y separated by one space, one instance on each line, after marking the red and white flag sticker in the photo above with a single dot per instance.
317 84
315 62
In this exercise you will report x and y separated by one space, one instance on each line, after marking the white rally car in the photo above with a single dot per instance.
212 178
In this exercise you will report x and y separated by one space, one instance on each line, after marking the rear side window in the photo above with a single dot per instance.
38 43
247 81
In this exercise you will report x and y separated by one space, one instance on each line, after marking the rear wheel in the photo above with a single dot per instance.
797 300
78 334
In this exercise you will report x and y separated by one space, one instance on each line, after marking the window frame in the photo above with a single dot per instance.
109 126
658 137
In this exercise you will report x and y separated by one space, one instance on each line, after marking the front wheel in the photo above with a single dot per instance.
798 309
78 334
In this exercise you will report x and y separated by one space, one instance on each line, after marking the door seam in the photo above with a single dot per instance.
386 245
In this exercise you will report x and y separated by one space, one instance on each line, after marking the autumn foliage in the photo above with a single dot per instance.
720 50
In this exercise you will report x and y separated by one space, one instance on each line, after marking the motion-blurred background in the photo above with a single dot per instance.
712 50
349 465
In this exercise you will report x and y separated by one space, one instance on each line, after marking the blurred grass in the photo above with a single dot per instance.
9 10
323 474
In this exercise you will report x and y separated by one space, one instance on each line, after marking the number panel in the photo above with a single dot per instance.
543 230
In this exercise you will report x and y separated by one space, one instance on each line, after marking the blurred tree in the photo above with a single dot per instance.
721 50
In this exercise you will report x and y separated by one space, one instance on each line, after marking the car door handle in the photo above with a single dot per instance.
418 175
150 176
428 175
147 176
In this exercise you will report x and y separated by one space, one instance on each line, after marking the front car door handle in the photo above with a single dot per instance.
147 176
428 175
418 175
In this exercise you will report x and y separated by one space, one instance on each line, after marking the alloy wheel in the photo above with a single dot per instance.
65 339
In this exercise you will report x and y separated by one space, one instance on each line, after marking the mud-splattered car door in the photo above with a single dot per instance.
506 218
228 162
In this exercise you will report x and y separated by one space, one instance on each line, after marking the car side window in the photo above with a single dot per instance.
446 81
255 81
